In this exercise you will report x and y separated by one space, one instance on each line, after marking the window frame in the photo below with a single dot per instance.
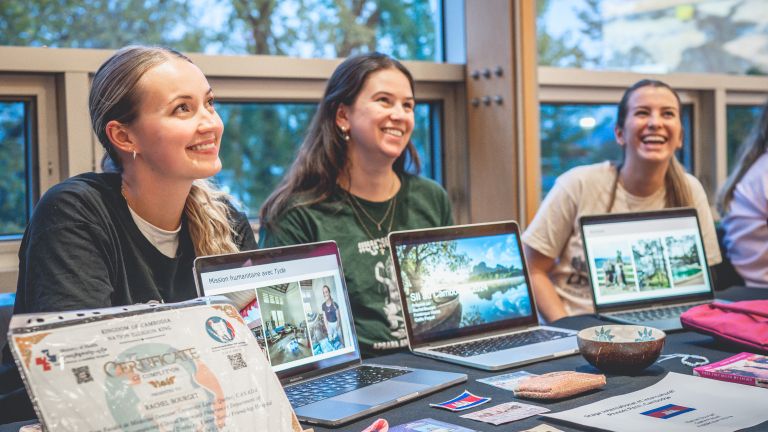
40 92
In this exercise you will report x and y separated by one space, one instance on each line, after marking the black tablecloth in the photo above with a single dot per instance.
677 342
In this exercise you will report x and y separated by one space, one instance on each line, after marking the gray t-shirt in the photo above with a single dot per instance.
586 190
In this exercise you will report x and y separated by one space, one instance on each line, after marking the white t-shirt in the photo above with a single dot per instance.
746 225
586 190
167 242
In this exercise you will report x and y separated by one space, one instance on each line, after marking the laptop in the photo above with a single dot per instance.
646 268
294 300
467 297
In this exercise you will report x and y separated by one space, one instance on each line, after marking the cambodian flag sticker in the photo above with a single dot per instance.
668 411
461 402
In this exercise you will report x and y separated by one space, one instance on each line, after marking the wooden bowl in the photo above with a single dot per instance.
621 349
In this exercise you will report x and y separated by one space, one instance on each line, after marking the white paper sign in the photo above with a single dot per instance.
676 403
192 368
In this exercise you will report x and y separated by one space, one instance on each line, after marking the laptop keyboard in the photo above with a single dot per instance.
655 314
473 348
338 383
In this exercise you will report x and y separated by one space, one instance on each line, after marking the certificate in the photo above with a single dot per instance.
184 367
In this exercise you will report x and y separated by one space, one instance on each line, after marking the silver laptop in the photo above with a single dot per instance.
646 268
294 300
467 297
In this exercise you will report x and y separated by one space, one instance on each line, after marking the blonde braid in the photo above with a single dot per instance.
678 190
208 218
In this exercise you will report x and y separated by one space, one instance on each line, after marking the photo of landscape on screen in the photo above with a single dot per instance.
464 282
647 264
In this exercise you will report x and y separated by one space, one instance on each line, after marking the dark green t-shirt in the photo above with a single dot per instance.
372 285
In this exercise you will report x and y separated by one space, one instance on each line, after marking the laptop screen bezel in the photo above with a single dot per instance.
281 254
636 217
397 238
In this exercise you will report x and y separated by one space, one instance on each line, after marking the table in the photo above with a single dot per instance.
678 342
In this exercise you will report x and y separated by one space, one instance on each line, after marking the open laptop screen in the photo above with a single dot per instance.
293 299
461 281
645 257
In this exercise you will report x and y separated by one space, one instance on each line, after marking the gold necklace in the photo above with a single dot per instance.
392 207
357 204
386 213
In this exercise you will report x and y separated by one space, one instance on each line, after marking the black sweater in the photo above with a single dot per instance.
83 250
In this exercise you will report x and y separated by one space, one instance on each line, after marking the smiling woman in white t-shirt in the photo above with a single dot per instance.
649 177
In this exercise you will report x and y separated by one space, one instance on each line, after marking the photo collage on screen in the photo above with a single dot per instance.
647 264
298 320
464 282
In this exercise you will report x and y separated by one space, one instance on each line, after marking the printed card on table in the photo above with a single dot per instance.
505 413
462 402
429 425
507 381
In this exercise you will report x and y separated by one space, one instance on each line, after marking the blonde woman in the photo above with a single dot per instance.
129 235
649 130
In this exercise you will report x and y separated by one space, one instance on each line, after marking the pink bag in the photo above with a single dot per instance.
744 323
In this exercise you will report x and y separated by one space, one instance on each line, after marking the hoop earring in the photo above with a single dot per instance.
344 133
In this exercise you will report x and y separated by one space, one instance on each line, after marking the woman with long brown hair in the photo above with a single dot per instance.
649 130
349 183
743 202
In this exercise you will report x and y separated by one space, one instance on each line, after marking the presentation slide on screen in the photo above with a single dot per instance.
296 309
462 283
638 260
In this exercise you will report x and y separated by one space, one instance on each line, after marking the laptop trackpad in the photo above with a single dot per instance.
330 410
380 393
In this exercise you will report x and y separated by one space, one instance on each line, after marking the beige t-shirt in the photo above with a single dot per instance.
586 190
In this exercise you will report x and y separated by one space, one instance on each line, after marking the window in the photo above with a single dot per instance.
278 318
409 29
15 167
261 139
581 134
649 36
741 120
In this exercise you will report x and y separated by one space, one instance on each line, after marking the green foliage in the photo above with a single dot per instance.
101 24
417 260
741 119
561 51
13 214
258 146
336 28
565 144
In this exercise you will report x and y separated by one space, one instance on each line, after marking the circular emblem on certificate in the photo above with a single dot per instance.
219 329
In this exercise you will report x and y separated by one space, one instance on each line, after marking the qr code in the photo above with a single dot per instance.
82 374
236 360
